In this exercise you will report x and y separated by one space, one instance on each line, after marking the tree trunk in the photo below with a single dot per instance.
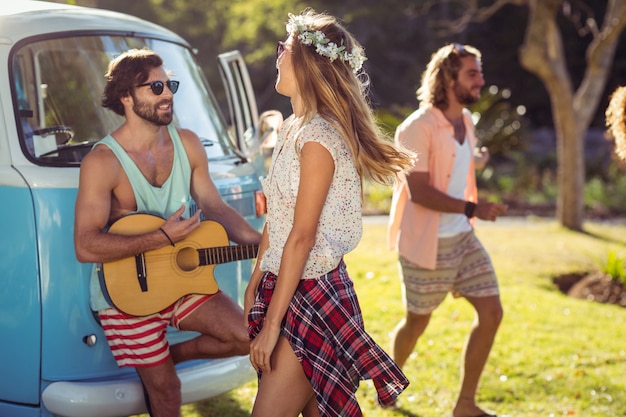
571 165
542 54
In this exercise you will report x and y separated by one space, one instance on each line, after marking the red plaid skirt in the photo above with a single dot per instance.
324 326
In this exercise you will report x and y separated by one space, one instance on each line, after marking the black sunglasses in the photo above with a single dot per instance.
280 48
157 86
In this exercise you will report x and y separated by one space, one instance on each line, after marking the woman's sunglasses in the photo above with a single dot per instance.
280 48
158 86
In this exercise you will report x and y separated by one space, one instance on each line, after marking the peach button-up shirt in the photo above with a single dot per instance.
413 228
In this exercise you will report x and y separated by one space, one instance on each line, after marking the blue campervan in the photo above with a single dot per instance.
54 359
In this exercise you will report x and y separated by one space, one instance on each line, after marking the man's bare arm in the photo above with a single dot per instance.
422 193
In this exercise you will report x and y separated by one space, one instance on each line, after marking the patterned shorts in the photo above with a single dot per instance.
141 342
463 268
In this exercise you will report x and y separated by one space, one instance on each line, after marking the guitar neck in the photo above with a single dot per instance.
225 254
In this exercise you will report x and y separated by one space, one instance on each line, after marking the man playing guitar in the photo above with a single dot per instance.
149 166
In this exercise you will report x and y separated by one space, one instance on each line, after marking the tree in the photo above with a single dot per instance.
542 54
398 36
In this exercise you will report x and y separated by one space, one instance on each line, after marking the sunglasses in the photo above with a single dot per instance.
158 86
459 48
280 49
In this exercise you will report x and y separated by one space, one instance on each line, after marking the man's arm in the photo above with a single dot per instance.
422 193
205 193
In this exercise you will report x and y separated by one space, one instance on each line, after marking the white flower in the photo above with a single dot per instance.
322 44
319 37
306 40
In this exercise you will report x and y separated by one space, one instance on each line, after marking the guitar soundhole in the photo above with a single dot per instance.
187 259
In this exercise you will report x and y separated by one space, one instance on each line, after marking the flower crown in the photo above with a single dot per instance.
323 45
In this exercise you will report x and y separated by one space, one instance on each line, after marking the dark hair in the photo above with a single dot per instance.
125 72
443 67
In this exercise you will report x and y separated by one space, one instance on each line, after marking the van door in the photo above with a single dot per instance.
20 297
20 292
242 106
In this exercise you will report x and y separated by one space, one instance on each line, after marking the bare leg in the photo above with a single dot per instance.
219 320
163 387
488 317
406 334
285 391
310 409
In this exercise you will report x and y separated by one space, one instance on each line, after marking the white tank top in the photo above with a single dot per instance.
451 224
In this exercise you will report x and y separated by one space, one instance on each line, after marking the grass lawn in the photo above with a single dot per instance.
553 355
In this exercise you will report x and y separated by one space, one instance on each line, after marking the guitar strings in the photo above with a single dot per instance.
208 256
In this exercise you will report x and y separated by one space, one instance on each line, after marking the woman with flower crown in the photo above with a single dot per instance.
308 343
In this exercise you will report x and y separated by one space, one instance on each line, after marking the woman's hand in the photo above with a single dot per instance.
262 346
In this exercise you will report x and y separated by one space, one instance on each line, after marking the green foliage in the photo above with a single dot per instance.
377 198
615 267
256 25
499 127
606 196
398 36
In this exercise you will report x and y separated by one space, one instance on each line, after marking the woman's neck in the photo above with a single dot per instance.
297 106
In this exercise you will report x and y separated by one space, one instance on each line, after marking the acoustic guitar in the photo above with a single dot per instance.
151 281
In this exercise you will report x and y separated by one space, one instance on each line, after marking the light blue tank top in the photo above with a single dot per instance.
160 201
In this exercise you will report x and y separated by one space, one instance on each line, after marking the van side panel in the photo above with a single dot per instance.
67 317
20 312
10 410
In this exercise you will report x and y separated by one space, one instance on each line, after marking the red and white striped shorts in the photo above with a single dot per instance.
141 341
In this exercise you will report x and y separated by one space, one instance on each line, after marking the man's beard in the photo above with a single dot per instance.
151 113
464 95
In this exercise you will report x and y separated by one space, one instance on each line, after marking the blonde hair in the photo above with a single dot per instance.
616 120
331 89
444 66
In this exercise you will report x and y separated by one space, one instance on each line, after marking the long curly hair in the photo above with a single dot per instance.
444 66
333 90
616 120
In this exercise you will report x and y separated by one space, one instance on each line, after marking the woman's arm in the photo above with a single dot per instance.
316 174
255 277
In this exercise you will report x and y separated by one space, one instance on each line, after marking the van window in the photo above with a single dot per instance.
57 87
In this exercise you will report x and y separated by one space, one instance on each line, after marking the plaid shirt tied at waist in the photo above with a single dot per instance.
324 326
